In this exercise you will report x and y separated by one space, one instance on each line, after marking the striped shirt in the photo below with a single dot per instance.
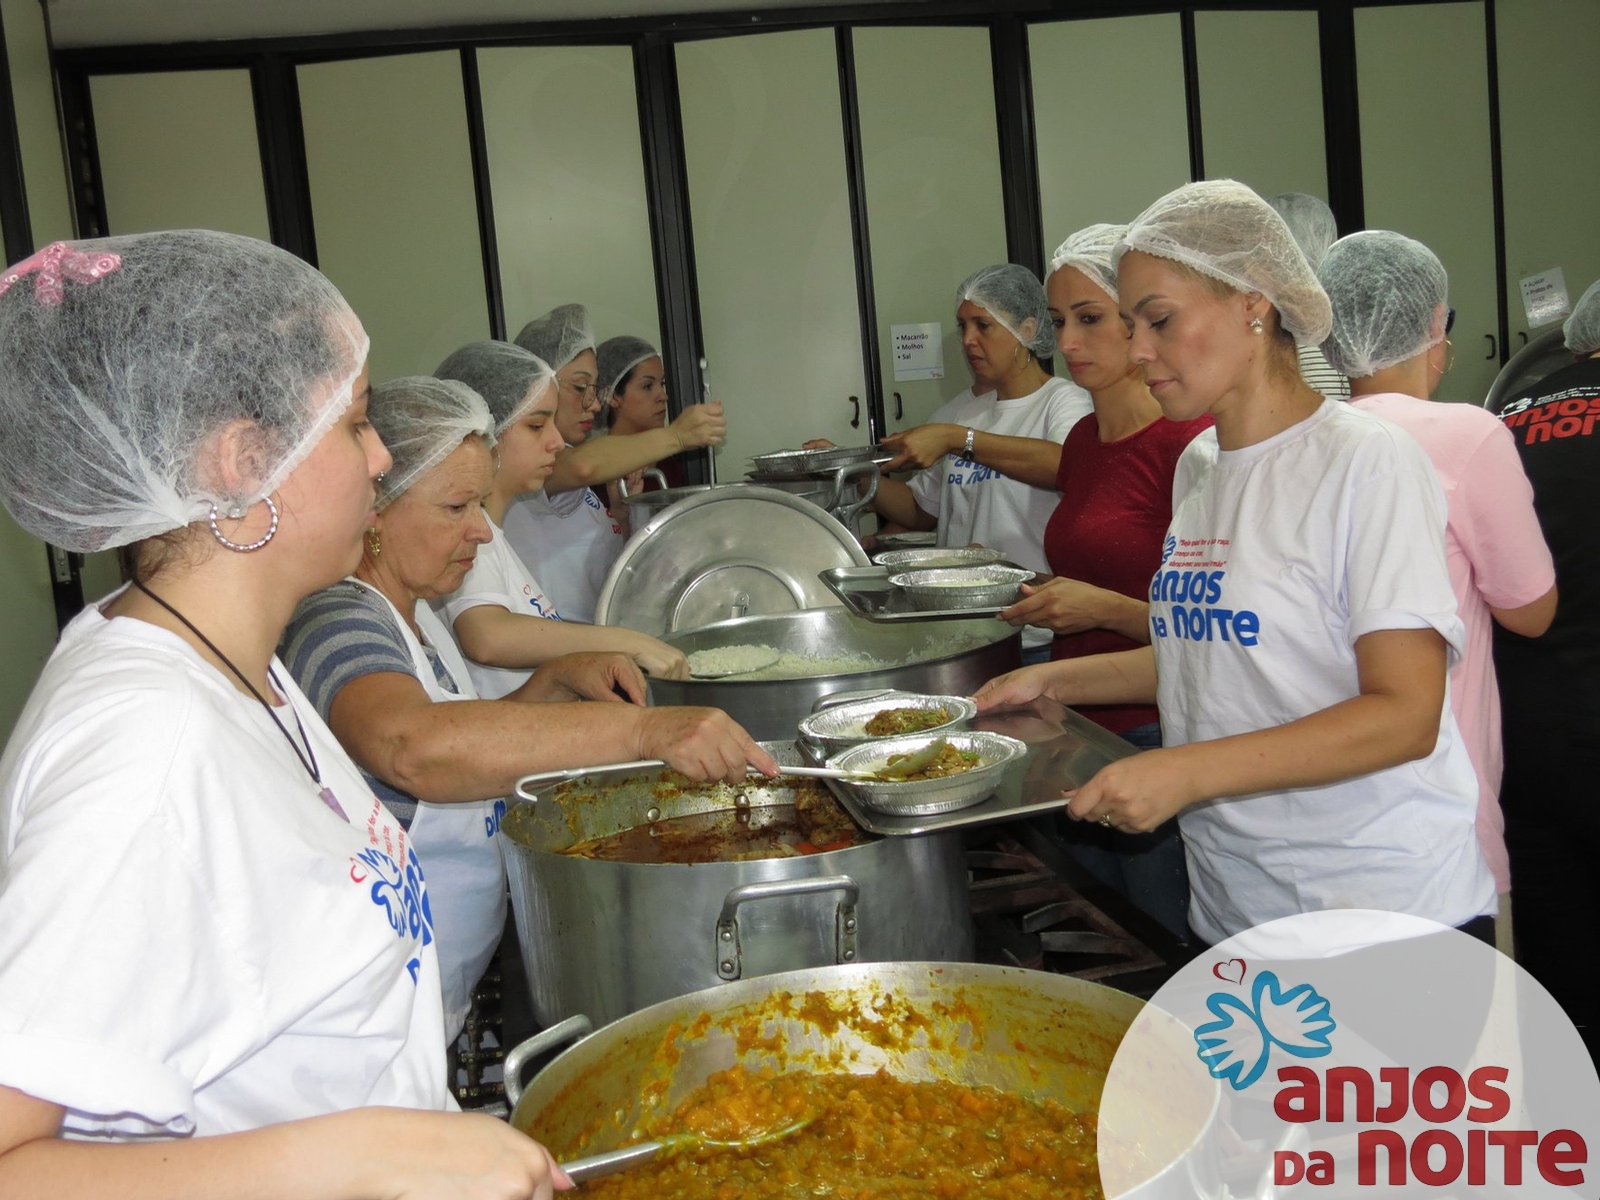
340 634
1319 373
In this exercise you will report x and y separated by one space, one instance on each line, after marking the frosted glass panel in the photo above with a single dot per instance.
38 131
567 173
1548 50
393 204
764 142
1110 118
930 150
178 150
1261 100
1424 96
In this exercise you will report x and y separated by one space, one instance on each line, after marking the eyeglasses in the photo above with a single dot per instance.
588 393
1449 320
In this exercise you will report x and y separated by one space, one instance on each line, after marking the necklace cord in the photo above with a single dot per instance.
308 759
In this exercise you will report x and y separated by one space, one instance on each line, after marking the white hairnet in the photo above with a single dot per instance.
509 378
1386 290
1311 222
617 356
1089 250
1221 228
120 358
1582 328
559 336
422 420
1014 297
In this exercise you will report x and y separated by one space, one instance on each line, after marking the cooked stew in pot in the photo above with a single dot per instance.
814 824
873 1137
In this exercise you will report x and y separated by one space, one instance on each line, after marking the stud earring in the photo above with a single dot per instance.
374 542
1255 325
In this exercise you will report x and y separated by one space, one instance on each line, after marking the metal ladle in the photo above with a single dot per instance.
612 1161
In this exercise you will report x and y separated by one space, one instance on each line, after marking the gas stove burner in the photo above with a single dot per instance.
1036 914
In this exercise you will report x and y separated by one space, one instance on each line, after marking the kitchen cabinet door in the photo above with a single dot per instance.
764 148
561 124
1422 75
393 205
930 151
1110 120
1551 175
178 150
1261 113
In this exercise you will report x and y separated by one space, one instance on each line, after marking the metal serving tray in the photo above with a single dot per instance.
867 592
1065 750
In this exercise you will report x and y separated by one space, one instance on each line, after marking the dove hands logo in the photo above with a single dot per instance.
1237 1045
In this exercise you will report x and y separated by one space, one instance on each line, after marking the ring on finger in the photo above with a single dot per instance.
1106 821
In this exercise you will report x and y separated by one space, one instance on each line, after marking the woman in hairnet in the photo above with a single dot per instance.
1104 541
1550 688
215 941
975 482
1302 618
504 622
1390 309
564 527
1311 221
385 674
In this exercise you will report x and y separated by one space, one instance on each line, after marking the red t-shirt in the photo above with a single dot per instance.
1116 504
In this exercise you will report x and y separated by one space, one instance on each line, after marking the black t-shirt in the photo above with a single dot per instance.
1556 423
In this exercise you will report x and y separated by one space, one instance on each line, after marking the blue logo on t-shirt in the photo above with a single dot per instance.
401 894
1196 614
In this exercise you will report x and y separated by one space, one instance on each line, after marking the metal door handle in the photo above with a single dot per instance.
729 964
573 1029
899 408
855 421
1493 348
1523 334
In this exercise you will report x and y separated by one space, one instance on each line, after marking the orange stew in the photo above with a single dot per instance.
874 1137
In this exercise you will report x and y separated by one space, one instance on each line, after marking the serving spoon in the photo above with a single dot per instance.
612 1161
746 669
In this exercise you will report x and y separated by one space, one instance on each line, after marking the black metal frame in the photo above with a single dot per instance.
653 40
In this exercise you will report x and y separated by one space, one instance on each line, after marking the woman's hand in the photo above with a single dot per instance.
923 446
592 675
1018 687
699 425
654 656
1072 606
1139 793
449 1156
703 743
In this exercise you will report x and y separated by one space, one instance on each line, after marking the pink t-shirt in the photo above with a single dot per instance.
1497 558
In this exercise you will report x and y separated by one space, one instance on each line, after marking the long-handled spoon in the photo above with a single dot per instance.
612 1161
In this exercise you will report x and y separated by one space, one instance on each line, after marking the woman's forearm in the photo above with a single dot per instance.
603 459
896 502
516 641
1033 461
1127 677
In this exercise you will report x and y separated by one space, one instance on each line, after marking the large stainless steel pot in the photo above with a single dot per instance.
1038 1035
606 938
936 657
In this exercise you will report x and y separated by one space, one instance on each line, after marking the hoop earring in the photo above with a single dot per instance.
239 548
1255 325
374 542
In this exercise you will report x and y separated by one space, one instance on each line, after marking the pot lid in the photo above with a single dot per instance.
744 551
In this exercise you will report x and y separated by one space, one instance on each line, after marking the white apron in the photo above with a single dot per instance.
457 845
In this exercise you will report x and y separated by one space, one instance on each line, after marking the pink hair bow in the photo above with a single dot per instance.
57 263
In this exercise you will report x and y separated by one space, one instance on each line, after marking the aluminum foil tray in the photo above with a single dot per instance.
842 726
867 592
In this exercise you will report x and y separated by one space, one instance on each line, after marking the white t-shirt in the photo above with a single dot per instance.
1279 557
498 579
571 541
978 504
191 940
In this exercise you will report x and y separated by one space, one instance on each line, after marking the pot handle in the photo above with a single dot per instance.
729 965
529 786
834 699
847 514
654 473
573 1029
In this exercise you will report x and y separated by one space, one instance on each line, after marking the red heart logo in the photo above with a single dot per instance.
1231 971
